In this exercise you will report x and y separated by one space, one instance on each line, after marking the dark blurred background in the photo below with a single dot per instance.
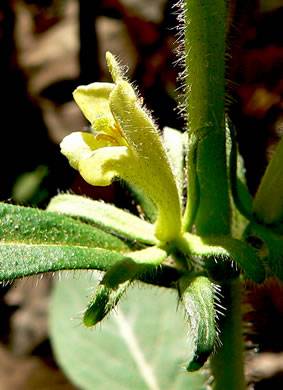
48 48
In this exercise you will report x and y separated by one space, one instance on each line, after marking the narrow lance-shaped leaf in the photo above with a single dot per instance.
27 225
118 278
105 216
224 247
240 194
268 201
19 260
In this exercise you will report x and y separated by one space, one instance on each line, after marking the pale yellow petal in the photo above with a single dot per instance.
102 166
79 145
75 147
93 100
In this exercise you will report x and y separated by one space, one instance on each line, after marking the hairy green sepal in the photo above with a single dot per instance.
197 296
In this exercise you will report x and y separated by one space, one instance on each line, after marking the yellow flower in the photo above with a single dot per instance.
124 143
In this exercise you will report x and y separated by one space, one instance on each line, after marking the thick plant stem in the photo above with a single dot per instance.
228 361
208 200
205 62
208 205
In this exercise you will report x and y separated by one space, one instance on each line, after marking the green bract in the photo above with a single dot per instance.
124 143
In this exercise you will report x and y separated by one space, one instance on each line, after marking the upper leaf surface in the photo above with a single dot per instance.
32 226
19 260
106 216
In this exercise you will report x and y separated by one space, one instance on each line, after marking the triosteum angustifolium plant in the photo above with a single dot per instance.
202 251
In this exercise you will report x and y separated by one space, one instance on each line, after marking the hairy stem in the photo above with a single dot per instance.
205 101
208 205
204 60
227 363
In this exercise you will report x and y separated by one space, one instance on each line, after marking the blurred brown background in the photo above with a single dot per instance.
49 47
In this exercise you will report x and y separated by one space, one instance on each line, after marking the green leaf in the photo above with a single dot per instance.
27 225
241 199
237 181
18 260
103 301
223 247
268 201
135 264
142 346
105 216
117 280
244 255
